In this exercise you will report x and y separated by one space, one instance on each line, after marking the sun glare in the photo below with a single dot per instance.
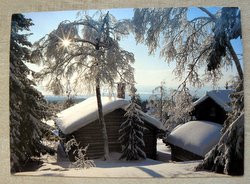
65 42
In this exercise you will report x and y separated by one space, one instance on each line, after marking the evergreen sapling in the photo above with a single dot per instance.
132 132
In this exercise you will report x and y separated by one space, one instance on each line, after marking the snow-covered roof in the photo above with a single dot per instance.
81 114
221 97
198 137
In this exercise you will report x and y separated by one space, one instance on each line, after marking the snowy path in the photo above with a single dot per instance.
116 168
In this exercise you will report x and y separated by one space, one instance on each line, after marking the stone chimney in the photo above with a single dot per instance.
121 90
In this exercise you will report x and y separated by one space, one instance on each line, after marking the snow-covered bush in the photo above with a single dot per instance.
81 161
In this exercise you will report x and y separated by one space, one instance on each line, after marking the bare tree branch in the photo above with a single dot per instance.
208 13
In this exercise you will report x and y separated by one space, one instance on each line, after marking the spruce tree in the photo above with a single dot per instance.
27 105
132 132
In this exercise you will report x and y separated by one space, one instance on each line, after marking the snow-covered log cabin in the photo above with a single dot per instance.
192 140
81 121
213 106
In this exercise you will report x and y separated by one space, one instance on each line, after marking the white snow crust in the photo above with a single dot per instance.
198 137
81 114
221 97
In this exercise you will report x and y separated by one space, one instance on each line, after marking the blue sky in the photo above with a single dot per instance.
149 70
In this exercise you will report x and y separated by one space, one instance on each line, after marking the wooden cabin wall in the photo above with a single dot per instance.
91 134
179 154
150 140
208 110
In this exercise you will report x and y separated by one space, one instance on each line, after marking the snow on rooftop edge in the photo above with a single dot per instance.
153 121
196 136
221 97
81 114
86 112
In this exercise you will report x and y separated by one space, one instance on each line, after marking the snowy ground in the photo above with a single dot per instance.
163 167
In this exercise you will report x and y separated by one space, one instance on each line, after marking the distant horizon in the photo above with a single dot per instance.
143 95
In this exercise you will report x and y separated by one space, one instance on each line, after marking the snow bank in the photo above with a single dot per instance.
123 169
115 168
221 97
82 114
196 136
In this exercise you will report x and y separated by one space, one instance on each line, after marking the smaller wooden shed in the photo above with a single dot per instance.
193 140
81 121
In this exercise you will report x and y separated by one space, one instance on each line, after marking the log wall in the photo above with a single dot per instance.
208 110
179 154
91 134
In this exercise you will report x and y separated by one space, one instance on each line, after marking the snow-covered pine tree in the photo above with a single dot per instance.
142 103
27 105
132 132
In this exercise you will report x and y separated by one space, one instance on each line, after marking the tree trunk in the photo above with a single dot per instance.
161 103
236 60
101 120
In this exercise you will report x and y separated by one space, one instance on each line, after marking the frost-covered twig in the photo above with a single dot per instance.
80 158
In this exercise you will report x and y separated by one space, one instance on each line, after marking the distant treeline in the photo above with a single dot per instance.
62 99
